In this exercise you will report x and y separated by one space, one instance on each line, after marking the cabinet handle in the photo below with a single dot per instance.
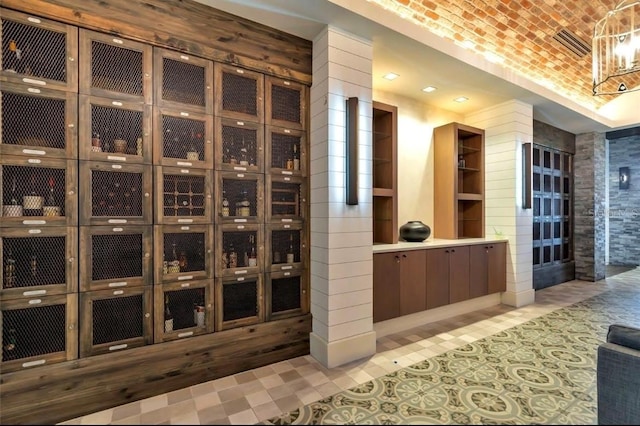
453 251
397 259
404 255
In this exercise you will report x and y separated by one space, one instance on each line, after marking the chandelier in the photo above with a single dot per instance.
616 50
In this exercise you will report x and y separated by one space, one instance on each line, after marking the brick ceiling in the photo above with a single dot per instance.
522 33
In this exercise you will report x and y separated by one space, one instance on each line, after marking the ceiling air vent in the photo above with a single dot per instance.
572 42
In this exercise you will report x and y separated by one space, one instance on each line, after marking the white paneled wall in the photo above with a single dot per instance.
341 235
507 126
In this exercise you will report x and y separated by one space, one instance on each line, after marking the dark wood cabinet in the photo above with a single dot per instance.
447 275
386 294
413 277
488 263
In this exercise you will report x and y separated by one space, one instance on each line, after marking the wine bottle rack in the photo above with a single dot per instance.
187 251
39 52
39 331
190 309
279 151
118 131
183 139
182 81
38 262
243 240
121 256
240 146
241 93
239 301
38 192
183 195
285 103
115 320
38 122
115 194
286 295
115 67
244 196
287 247
286 201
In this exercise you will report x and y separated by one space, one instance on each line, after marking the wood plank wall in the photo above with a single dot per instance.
186 26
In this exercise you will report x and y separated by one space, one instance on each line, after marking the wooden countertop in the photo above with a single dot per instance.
435 243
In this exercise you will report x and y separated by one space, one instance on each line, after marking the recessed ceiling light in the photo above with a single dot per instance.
461 99
390 76
429 89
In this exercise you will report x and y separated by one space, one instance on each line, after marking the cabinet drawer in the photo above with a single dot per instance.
282 146
286 199
239 249
241 93
183 253
239 197
239 146
182 139
239 301
183 195
288 247
285 103
39 331
287 294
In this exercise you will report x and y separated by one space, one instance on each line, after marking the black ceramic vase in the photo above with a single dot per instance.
414 231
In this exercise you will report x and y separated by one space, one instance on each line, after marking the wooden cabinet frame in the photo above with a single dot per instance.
304 295
158 250
70 330
277 267
245 177
160 335
290 132
70 285
220 283
86 216
85 131
385 178
159 54
159 180
86 273
220 269
220 69
86 77
299 197
87 299
71 37
220 124
301 89
70 124
70 217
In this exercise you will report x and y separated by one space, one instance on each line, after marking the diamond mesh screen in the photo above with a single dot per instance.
239 300
33 331
285 294
239 94
183 195
116 193
35 191
185 308
285 199
241 195
285 104
33 121
182 138
34 261
116 68
285 246
116 130
184 252
239 146
34 51
239 249
117 318
183 82
282 150
116 256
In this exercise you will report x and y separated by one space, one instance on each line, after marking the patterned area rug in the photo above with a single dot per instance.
540 372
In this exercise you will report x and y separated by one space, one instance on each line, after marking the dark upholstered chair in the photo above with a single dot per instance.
618 377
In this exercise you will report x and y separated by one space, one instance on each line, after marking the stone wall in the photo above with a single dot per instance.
624 204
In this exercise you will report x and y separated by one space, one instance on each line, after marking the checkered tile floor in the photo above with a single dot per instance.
264 393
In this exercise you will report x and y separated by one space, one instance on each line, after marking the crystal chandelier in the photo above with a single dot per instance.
616 50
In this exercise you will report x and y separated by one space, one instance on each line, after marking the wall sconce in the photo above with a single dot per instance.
527 194
351 168
624 178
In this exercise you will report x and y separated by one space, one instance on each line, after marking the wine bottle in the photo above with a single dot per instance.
51 201
14 200
253 258
296 158
233 257
168 316
243 154
10 344
290 256
9 270
33 263
225 204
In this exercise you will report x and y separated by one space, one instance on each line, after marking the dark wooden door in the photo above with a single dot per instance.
386 294
497 268
437 277
478 284
413 277
458 274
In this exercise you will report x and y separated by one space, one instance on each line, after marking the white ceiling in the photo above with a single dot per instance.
422 59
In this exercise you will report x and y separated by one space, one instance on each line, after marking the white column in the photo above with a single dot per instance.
507 126
341 235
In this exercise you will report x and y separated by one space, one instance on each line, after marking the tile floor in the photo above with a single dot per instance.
301 391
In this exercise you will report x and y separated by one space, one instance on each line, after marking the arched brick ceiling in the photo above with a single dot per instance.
522 33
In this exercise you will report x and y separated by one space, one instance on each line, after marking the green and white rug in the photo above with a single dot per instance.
542 371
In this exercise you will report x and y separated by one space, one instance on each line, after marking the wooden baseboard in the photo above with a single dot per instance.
59 392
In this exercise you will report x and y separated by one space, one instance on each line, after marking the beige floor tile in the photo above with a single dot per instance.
259 398
208 400
246 417
153 403
266 411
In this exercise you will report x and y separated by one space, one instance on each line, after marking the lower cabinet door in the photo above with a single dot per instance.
413 281
437 277
459 274
386 294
